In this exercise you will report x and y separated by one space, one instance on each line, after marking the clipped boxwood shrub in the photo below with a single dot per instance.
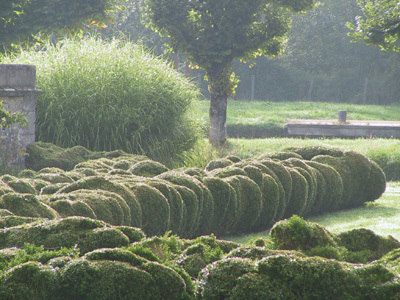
225 204
102 183
347 179
19 185
30 280
334 187
364 240
309 152
310 175
148 168
218 163
376 184
175 202
155 209
250 202
285 179
297 234
130 101
217 280
83 233
68 208
43 155
298 201
270 199
27 205
309 277
84 279
190 223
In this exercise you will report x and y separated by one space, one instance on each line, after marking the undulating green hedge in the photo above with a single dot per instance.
230 196
81 258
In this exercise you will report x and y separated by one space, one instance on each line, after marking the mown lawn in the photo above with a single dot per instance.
266 119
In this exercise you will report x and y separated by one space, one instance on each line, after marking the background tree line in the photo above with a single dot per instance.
321 61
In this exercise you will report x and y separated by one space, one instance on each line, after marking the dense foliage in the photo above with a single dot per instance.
103 229
111 95
21 19
379 24
230 196
212 34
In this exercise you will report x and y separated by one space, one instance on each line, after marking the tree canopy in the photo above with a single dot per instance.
213 33
19 19
379 24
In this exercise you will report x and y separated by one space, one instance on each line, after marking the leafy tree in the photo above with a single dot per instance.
214 33
19 19
379 25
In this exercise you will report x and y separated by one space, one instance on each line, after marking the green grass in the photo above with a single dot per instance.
382 216
265 118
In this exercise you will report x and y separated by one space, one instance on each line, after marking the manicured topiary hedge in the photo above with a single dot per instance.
81 258
229 196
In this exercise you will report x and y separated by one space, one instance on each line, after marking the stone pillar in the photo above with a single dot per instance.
19 94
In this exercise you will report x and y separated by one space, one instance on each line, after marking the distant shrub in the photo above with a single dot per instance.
297 234
111 95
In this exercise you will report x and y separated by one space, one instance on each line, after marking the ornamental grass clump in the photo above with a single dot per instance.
108 95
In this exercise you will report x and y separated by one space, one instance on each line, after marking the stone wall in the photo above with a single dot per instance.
19 94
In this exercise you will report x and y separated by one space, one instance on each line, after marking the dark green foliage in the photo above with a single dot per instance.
198 256
30 280
253 286
297 234
199 189
19 185
376 184
11 221
148 168
309 278
115 254
218 163
345 173
68 208
309 152
366 240
85 233
175 203
43 155
155 209
270 198
26 173
218 279
228 171
250 202
285 179
103 280
134 234
191 209
54 178
310 175
299 197
360 167
168 283
27 205
102 183
280 155
334 187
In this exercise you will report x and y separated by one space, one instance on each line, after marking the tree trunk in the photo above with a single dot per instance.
219 85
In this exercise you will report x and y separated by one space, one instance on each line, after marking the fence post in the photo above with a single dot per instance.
19 94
